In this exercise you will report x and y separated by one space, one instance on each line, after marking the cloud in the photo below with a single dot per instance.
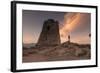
72 22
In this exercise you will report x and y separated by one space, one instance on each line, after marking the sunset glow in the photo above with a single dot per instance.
75 24
70 23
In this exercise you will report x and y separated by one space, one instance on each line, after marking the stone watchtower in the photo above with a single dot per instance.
50 34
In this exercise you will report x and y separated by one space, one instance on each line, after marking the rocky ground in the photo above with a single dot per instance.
65 51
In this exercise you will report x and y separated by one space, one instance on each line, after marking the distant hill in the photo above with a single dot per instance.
71 44
29 45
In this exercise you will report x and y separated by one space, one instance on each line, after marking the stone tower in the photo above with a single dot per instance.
50 34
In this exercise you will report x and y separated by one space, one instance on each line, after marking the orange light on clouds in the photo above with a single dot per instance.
71 21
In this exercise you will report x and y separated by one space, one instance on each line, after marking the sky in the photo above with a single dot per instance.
77 25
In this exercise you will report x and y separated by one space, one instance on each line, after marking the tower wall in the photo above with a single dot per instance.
50 34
